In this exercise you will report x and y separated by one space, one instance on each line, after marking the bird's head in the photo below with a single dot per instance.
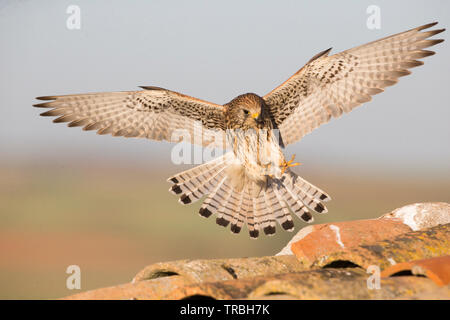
247 111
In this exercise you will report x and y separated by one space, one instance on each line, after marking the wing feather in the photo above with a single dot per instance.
152 113
328 86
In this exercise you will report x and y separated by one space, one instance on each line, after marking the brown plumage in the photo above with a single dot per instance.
253 184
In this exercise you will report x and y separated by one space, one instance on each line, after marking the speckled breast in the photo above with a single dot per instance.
257 150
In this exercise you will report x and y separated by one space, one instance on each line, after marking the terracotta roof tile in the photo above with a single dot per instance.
349 283
331 236
415 245
326 239
154 290
159 280
221 269
346 283
437 269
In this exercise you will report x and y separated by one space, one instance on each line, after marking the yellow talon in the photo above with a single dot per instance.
290 163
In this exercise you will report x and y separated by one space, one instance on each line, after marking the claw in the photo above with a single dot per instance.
287 164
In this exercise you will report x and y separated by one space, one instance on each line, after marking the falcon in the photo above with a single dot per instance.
252 183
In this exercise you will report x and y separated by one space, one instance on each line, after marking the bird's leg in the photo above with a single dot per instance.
286 164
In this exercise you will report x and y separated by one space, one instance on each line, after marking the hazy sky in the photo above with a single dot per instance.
215 50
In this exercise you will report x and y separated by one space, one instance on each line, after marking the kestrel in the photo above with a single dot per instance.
252 184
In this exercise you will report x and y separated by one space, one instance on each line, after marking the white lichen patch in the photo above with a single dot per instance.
337 231
392 261
421 216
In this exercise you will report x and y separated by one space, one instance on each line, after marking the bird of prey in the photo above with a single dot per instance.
252 183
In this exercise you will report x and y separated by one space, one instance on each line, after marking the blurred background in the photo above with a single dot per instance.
72 197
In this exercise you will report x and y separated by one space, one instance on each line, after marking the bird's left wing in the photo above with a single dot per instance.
329 85
152 113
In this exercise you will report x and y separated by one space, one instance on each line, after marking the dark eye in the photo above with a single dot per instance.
245 111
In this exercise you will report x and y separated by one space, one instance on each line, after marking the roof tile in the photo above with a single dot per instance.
437 269
201 270
329 238
416 245
155 289
348 283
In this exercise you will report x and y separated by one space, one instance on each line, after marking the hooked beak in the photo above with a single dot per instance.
255 115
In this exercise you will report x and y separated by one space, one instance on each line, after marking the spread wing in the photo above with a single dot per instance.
327 86
153 113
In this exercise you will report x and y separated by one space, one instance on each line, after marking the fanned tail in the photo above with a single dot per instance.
235 203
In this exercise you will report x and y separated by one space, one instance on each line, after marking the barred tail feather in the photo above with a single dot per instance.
231 211
294 204
309 188
196 171
302 191
247 207
262 211
269 202
226 208
213 200
193 184
281 210
239 214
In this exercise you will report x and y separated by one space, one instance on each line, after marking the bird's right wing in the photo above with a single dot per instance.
153 113
327 86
